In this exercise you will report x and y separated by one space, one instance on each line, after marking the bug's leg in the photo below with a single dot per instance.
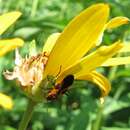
67 93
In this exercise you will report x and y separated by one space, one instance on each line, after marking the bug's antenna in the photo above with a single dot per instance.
58 72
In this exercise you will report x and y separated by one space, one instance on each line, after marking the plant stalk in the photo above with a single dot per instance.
27 115
97 123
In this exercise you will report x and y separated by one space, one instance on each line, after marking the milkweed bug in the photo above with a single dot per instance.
60 88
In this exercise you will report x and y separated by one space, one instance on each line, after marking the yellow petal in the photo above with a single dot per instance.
9 44
8 19
126 47
117 61
117 21
93 60
99 41
6 101
50 42
113 23
77 38
98 79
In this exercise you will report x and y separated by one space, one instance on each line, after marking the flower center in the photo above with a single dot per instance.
28 71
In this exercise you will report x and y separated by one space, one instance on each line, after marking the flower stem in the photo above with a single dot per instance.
34 8
97 123
27 115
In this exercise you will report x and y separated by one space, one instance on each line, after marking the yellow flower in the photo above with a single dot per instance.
7 45
7 20
6 101
65 54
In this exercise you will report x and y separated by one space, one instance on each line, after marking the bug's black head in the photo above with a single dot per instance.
68 80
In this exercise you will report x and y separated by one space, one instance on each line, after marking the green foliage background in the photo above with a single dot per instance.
81 109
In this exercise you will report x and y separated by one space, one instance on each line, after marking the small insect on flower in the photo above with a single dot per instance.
60 88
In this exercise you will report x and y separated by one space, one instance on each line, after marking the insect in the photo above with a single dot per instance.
61 88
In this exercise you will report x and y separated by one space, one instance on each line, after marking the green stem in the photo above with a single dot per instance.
119 91
97 123
112 73
27 115
99 116
113 70
34 8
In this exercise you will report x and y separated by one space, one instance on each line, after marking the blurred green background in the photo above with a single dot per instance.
81 109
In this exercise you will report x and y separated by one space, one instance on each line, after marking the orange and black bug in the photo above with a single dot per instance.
61 88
